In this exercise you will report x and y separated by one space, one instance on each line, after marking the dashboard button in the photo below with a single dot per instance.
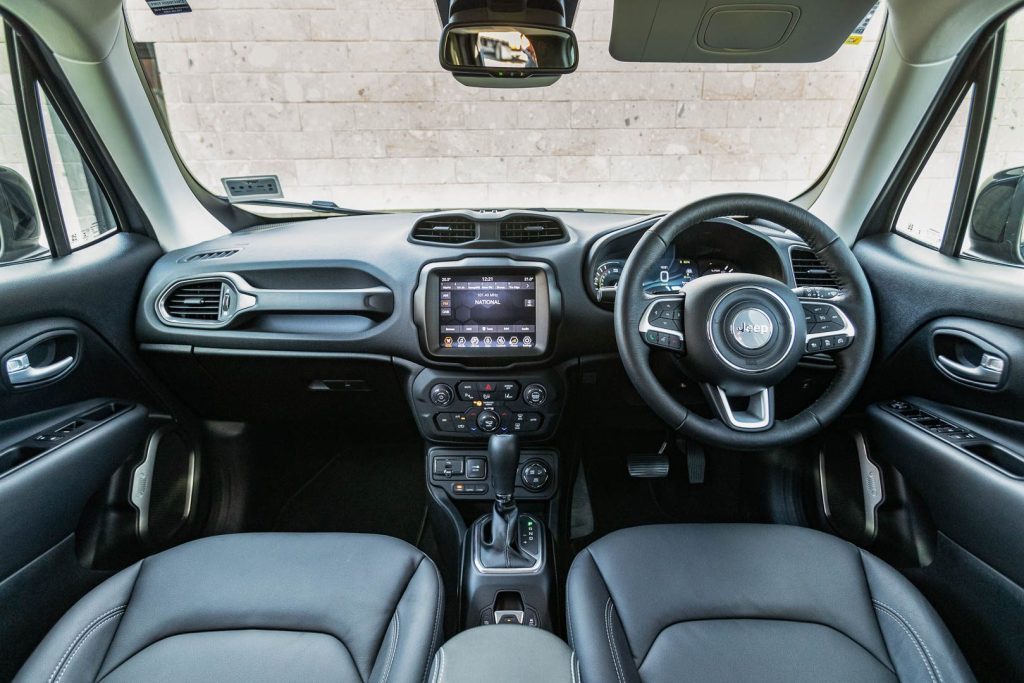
509 390
535 475
468 391
448 466
535 395
441 395
444 422
476 468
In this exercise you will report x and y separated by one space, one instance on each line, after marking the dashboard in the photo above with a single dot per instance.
494 308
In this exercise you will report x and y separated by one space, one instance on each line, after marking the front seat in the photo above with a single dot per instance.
254 607
746 602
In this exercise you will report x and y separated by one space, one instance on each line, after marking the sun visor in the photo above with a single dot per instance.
723 31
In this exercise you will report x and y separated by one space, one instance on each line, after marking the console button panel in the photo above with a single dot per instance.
463 473
451 408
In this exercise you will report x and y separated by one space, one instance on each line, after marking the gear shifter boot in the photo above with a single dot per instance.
499 547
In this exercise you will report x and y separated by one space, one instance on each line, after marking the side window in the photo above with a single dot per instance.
994 215
21 234
84 211
994 228
87 215
926 209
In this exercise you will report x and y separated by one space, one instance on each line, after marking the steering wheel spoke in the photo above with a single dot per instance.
758 415
661 325
829 329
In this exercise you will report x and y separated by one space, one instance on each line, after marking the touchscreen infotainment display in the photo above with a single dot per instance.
487 311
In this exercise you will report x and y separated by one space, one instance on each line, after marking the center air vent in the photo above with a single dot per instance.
531 230
196 302
445 230
809 270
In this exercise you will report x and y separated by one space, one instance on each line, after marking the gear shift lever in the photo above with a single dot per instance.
503 458
500 546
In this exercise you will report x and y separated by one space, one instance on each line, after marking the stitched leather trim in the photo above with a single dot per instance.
929 665
76 643
609 611
392 649
437 617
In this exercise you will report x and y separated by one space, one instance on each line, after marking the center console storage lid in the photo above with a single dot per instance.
503 654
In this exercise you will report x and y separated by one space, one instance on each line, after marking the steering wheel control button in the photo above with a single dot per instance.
535 476
814 346
752 328
441 395
535 395
488 421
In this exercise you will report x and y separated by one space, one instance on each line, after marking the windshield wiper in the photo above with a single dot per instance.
318 205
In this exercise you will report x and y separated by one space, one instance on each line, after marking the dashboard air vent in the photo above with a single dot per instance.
196 301
210 255
445 230
809 270
531 230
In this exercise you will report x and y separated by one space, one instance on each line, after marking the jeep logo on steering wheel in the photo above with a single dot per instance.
752 328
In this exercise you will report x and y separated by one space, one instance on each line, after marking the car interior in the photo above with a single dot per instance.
666 340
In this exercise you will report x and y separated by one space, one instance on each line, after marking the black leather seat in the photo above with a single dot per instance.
254 607
749 603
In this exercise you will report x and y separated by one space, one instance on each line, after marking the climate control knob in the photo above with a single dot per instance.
441 395
535 395
488 421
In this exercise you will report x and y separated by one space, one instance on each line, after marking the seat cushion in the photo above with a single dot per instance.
736 602
254 607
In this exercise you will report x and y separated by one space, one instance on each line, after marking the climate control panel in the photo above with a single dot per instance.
466 407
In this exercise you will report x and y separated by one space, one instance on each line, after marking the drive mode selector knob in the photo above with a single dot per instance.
535 395
488 421
441 394
535 475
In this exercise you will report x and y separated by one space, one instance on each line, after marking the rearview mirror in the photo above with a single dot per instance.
508 51
997 217
19 222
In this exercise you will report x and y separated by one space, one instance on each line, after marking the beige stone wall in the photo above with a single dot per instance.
344 100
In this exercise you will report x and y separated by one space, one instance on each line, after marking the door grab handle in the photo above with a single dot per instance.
20 370
988 371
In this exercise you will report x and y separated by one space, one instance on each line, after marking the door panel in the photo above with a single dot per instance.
946 419
67 437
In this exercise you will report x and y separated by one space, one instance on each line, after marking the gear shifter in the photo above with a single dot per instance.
500 544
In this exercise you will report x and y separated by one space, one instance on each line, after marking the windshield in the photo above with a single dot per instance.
352 106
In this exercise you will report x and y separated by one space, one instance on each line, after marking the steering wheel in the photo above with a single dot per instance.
740 335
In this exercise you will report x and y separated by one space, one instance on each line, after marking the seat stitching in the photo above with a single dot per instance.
440 666
608 609
574 668
917 635
899 623
393 649
96 626
437 617
74 640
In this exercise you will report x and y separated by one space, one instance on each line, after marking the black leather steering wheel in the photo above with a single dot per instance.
740 335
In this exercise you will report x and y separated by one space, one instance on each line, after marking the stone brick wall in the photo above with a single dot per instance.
344 100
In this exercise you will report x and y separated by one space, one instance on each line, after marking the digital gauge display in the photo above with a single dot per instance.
670 274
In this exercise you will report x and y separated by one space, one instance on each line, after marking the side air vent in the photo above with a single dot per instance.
531 230
445 230
209 255
809 270
197 302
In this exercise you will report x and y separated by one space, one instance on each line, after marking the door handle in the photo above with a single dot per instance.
988 371
21 371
